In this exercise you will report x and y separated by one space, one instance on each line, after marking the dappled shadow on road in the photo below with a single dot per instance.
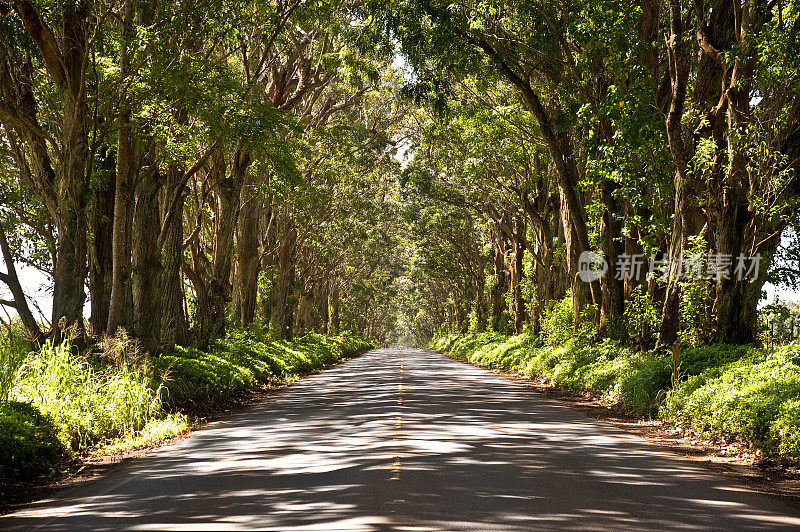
417 442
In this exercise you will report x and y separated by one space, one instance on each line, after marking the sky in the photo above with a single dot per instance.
36 286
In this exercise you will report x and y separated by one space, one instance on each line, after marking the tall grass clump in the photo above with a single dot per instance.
558 321
89 403
13 349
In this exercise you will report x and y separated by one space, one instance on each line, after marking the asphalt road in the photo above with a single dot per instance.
408 440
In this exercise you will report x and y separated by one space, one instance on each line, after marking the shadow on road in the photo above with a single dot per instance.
411 442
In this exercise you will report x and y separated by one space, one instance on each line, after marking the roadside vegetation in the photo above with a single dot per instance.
61 404
723 392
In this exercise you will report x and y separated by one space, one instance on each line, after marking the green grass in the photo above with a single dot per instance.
113 398
13 349
739 393
155 431
89 404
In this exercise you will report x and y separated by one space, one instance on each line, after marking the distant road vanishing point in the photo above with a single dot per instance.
407 439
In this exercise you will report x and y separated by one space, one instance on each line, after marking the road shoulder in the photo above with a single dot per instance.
760 474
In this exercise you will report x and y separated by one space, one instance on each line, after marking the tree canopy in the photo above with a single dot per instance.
399 169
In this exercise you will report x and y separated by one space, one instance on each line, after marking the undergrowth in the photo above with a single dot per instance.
734 393
87 402
58 404
754 399
238 362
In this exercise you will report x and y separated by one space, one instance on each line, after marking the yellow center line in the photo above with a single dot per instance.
397 465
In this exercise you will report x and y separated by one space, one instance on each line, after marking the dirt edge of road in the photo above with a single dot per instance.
762 474
86 468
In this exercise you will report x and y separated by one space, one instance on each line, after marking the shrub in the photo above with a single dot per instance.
636 379
643 381
88 406
753 399
641 318
201 379
695 360
29 446
557 321
785 429
13 348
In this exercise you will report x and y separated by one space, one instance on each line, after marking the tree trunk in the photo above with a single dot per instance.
304 318
323 308
707 89
543 276
227 191
560 148
170 285
157 289
520 314
120 249
581 291
101 263
736 309
333 304
69 275
145 261
283 308
685 221
121 258
20 303
66 191
480 301
735 224
612 304
248 264
736 298
500 283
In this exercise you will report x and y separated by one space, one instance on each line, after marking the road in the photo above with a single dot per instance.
408 440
